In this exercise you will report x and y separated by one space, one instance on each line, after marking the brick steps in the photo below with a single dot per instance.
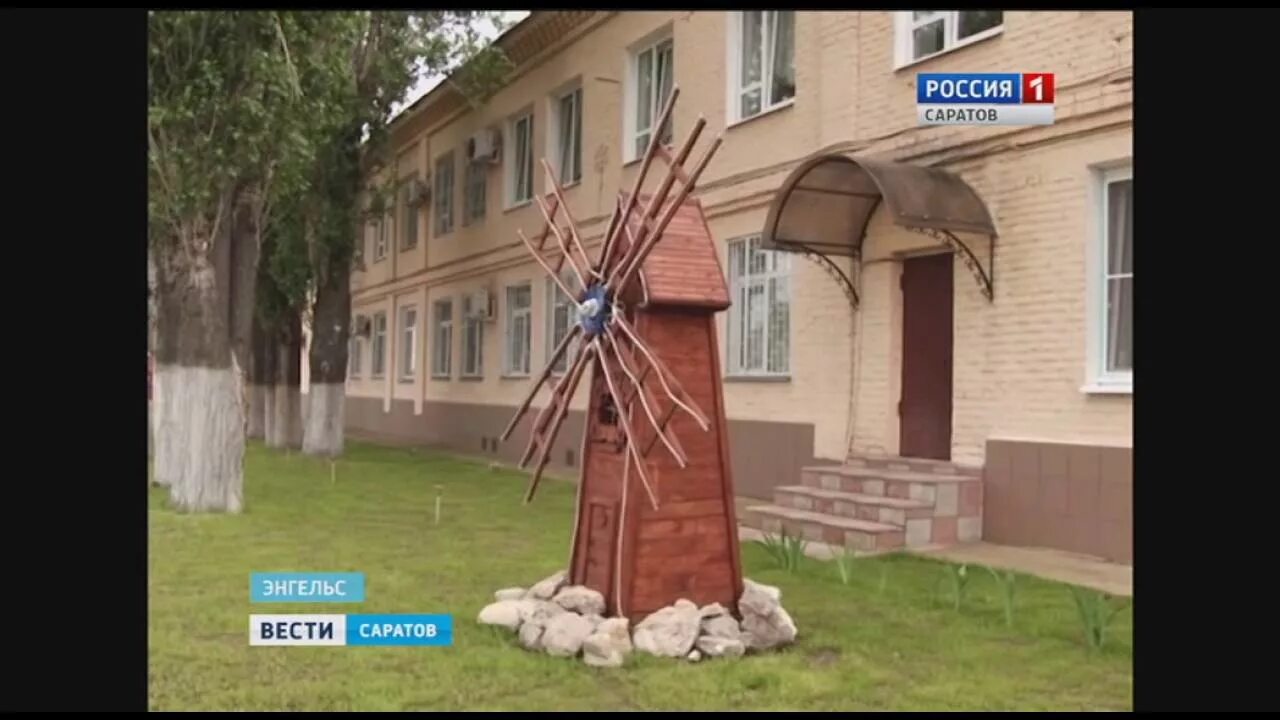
876 508
877 504
820 527
899 464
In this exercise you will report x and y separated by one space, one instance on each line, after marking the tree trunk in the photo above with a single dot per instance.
286 429
259 377
203 308
330 328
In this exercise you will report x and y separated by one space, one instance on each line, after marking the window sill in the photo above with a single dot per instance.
758 378
972 40
517 206
377 377
379 259
628 162
407 248
1108 387
514 376
442 377
446 233
472 378
763 113
406 381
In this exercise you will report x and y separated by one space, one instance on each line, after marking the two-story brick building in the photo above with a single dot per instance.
958 294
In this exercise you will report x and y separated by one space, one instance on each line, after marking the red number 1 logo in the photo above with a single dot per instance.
1037 88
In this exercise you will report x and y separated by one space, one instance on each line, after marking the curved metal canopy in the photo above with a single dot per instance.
826 203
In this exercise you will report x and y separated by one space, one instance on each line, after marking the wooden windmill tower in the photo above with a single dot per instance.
655 518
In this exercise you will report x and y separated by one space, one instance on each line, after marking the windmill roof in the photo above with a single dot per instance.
683 268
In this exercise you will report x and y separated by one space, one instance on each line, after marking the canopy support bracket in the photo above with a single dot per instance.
985 277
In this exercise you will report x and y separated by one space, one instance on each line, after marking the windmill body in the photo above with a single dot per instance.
654 520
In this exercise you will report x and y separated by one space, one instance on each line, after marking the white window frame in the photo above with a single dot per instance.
514 165
513 366
471 324
380 239
555 148
733 67
442 193
1099 380
739 285
442 339
355 354
632 92
905 23
555 297
410 214
409 343
378 336
474 175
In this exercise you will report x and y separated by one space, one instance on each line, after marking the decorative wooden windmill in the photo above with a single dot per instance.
652 525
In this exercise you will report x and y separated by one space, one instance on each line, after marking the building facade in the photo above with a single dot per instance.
821 351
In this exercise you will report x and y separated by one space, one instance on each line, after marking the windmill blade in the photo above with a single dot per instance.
549 438
610 236
641 393
625 424
554 275
562 392
651 240
564 248
574 238
649 153
659 197
664 374
542 378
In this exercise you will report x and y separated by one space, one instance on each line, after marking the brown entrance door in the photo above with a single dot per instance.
925 409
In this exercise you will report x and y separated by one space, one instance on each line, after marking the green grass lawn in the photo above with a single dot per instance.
890 639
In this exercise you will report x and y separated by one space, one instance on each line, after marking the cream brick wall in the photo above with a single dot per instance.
1019 362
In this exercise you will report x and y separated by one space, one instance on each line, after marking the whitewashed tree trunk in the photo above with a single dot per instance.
256 423
326 412
205 435
286 428
163 459
204 305
330 323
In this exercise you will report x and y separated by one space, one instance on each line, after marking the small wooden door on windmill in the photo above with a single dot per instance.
641 558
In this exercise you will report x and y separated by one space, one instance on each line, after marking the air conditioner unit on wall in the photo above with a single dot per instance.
482 305
419 192
485 147
363 326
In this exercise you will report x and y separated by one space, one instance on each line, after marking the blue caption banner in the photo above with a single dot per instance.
301 587
969 88
399 630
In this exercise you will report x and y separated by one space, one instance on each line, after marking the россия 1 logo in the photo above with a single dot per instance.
985 98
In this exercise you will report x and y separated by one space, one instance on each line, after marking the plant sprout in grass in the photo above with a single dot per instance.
785 549
1097 610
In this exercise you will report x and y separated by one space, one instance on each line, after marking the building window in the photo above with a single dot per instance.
355 353
1112 361
408 343
924 33
520 172
443 194
760 316
475 179
442 353
472 337
380 229
650 87
519 335
409 213
379 344
567 141
763 62
560 319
